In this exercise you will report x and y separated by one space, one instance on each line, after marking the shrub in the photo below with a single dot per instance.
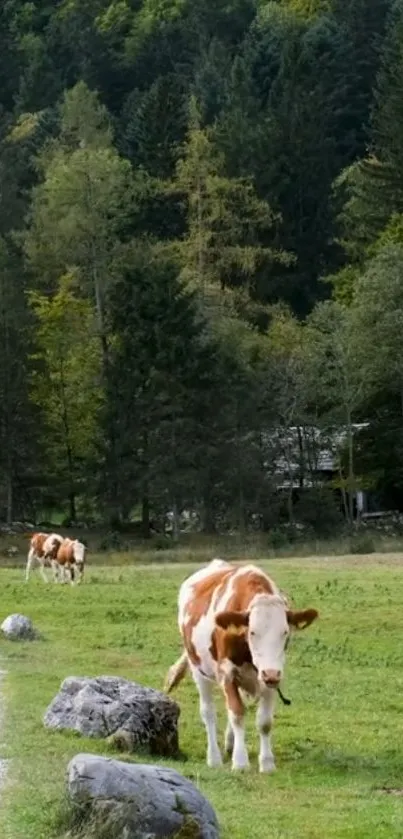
362 543
318 508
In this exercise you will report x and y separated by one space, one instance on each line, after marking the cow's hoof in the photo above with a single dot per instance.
239 764
267 766
214 761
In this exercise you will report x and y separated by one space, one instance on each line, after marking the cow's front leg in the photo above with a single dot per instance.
43 572
236 719
229 739
208 716
30 561
71 573
264 722
55 570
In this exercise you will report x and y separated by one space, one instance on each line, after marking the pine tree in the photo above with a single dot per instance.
154 125
370 192
228 226
387 122
299 71
364 26
161 392
66 385
80 208
19 422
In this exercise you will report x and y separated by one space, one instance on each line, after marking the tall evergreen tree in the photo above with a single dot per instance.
154 126
228 226
66 385
364 26
299 69
19 422
161 393
81 206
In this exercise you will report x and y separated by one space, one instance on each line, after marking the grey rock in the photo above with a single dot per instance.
18 628
138 801
110 705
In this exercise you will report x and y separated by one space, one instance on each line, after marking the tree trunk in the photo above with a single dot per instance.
175 522
301 457
145 515
351 480
72 506
9 512
69 451
241 498
343 492
208 514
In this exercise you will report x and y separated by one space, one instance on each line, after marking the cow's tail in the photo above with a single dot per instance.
176 673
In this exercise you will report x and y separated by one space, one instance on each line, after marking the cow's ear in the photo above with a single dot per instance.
232 620
301 618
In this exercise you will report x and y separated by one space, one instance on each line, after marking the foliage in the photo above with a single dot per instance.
66 384
226 221
183 186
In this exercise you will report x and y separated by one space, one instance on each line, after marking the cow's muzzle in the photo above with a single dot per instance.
271 678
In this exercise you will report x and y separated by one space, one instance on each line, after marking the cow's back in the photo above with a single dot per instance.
51 545
65 554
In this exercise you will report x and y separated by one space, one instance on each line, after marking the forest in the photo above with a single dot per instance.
201 248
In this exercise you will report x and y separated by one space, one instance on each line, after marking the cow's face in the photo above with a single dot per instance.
267 626
79 557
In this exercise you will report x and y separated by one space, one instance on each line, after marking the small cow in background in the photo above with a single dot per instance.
69 560
43 549
235 626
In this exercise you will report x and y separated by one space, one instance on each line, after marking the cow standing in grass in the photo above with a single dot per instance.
68 562
235 625
42 549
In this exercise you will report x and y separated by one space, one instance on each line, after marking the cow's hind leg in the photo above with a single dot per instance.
264 722
56 571
208 716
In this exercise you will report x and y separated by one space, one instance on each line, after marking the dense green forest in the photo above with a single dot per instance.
201 247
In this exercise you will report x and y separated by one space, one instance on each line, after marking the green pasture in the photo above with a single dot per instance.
339 747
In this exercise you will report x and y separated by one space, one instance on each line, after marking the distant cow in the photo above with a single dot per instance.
43 548
68 562
235 625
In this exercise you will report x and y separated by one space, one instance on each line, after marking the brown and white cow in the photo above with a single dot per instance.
235 625
69 560
42 549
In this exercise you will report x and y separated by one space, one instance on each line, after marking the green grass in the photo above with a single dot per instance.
337 747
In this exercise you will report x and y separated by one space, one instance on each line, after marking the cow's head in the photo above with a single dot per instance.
79 557
267 624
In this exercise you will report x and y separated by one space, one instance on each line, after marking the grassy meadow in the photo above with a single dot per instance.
339 747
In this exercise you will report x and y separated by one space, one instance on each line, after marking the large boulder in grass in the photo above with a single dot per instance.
18 628
131 716
137 801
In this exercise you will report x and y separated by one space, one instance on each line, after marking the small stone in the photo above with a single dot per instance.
18 628
138 801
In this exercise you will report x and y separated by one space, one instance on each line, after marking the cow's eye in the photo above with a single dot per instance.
252 633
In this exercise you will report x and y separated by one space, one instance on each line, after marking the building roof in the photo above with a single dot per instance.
318 449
